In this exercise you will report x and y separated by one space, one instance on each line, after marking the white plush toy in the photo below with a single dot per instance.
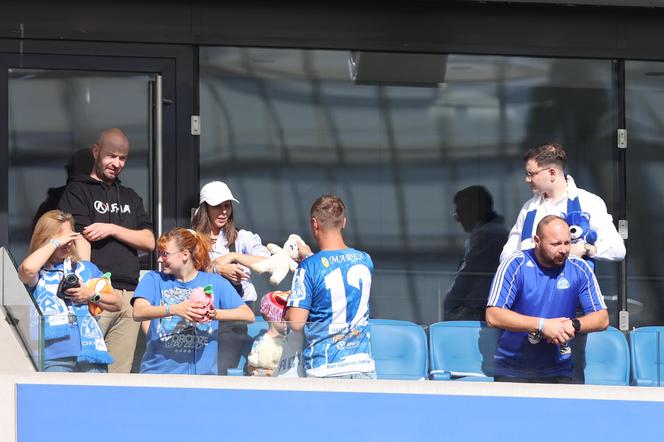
281 261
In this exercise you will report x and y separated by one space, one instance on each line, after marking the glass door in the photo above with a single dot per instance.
56 109
644 116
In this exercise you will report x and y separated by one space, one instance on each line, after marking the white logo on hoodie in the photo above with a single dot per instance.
102 207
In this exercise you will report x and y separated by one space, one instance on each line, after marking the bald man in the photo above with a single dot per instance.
533 298
112 219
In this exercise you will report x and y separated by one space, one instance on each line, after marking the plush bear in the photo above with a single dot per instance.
204 296
281 261
268 347
99 285
579 227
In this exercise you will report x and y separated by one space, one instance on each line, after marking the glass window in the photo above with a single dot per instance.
645 192
54 118
284 126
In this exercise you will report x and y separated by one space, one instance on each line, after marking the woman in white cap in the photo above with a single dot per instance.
233 251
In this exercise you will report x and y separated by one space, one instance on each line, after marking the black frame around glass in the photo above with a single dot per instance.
178 63
616 203
180 160
621 182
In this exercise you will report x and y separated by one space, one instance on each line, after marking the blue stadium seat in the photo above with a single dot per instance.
646 351
607 358
462 350
253 330
399 349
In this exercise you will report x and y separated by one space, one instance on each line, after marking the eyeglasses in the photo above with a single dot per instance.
165 255
532 174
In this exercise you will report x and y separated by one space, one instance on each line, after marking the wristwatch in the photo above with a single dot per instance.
588 248
577 325
95 298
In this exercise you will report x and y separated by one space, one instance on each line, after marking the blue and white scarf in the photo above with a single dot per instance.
60 314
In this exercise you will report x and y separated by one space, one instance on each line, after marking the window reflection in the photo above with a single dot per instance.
54 118
284 126
645 191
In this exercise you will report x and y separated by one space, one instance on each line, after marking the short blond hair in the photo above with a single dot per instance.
329 211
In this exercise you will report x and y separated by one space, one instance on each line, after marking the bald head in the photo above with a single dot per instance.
113 137
551 222
552 241
110 154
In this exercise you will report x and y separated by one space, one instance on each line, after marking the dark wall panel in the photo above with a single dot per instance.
460 27
97 20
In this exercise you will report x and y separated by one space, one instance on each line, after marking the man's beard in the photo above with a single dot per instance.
547 261
102 175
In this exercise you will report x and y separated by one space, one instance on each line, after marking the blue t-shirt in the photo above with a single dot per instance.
522 285
175 345
59 313
335 286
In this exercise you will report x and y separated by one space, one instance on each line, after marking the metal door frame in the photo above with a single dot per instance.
178 157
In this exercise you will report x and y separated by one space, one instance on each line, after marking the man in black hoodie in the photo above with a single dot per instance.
112 219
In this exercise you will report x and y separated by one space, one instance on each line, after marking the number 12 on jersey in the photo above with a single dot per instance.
358 277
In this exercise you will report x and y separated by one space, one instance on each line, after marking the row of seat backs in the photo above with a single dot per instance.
464 350
646 353
399 348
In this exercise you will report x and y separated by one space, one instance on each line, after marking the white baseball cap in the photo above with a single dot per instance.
215 193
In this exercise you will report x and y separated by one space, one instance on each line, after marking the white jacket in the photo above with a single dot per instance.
610 245
246 243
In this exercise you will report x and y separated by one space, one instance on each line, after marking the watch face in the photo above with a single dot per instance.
576 324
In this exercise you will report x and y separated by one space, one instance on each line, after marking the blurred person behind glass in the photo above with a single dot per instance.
80 162
466 298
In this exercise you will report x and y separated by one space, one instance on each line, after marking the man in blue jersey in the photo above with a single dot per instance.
555 193
533 298
330 299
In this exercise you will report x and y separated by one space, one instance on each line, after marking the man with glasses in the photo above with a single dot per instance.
112 219
556 194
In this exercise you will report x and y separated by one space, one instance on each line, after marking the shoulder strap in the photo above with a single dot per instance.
528 224
573 205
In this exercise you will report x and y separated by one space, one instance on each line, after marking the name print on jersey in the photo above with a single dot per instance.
102 207
349 257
